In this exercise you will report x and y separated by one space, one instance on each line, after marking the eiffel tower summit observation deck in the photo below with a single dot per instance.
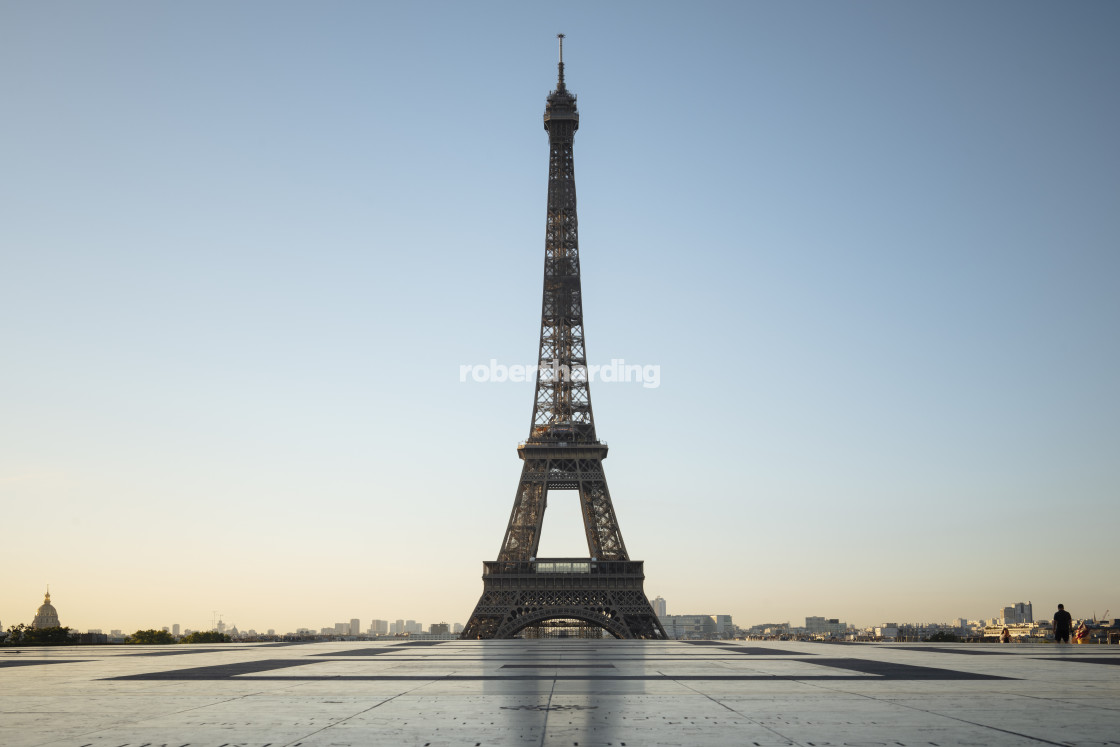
527 596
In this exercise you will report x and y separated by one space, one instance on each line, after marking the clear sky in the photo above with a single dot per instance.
245 248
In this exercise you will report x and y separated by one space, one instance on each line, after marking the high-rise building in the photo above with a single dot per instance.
822 626
379 627
659 607
355 626
457 628
440 628
175 630
1020 612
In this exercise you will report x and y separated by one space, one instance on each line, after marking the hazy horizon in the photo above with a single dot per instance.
871 247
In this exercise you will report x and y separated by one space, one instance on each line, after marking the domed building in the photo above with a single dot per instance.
47 616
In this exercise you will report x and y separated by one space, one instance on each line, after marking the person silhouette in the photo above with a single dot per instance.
1062 623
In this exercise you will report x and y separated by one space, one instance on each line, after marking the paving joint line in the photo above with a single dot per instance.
1069 701
737 713
83 735
355 715
936 713
547 710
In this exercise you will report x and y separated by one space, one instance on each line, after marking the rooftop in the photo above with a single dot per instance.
560 692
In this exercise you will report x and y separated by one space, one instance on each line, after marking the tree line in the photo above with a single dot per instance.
25 635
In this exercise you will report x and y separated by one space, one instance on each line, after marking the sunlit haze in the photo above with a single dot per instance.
871 249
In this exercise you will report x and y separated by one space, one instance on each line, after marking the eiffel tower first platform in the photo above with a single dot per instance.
521 593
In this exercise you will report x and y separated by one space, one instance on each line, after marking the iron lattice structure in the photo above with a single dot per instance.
520 590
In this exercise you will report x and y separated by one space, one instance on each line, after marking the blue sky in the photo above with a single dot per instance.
872 246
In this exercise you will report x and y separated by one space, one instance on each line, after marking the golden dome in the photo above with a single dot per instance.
47 616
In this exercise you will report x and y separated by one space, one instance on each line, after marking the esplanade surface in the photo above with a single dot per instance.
560 692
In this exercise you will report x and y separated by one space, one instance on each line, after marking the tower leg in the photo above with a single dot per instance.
523 534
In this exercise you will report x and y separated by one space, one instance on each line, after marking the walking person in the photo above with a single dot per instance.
1062 623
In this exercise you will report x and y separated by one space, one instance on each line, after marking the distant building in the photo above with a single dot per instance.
1017 631
47 615
175 630
659 607
819 626
379 627
887 631
769 629
440 628
1018 613
457 628
697 626
355 626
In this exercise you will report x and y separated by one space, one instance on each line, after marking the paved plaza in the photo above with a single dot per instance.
579 693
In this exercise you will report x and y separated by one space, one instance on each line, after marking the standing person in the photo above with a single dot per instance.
1005 636
1062 623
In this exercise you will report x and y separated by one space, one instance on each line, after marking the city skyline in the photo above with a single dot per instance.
871 250
1018 612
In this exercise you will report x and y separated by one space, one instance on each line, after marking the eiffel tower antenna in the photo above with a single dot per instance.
523 594
560 75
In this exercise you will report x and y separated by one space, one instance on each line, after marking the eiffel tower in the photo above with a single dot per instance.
531 596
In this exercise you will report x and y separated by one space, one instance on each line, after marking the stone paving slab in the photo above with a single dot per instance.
560 692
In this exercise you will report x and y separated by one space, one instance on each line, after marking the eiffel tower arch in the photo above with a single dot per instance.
604 591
